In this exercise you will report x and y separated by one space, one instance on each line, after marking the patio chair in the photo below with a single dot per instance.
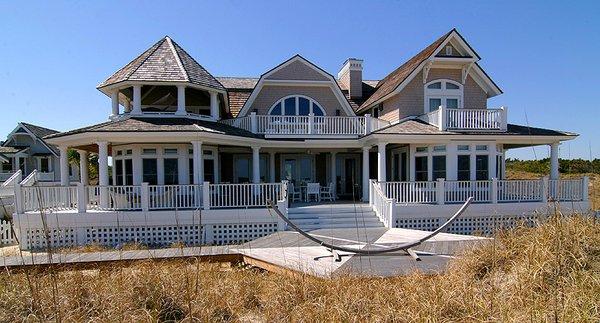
313 189
327 192
293 193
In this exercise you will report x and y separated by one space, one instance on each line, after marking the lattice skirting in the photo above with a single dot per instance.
470 224
6 237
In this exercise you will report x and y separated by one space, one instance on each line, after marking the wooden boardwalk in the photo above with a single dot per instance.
286 252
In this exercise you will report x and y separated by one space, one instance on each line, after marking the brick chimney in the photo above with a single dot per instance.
350 77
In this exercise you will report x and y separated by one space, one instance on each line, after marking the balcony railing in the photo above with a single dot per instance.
467 119
309 125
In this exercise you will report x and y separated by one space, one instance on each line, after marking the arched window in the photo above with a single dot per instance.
296 105
443 92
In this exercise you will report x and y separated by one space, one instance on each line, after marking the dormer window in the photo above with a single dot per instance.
296 105
443 92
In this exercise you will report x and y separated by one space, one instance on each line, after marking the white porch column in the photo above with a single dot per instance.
334 173
214 105
198 162
64 166
365 173
492 162
114 96
103 172
272 166
381 175
554 160
180 100
83 167
137 99
255 165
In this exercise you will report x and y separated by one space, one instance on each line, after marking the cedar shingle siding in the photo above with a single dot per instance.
297 71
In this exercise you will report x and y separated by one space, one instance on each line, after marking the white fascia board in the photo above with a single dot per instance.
433 138
108 89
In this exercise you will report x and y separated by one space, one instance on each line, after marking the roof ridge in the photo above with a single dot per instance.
159 43
178 58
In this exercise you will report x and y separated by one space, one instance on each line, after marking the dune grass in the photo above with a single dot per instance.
548 273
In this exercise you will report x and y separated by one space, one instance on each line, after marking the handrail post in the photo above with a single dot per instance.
442 118
371 183
145 197
253 122
311 122
544 188
18 198
439 191
206 195
494 196
81 198
504 125
368 122
392 215
585 182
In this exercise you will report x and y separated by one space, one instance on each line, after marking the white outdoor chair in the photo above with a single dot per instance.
293 193
313 189
327 192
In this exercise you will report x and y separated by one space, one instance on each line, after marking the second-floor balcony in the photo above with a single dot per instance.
467 119
310 125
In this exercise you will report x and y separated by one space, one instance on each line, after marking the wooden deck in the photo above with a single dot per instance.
285 252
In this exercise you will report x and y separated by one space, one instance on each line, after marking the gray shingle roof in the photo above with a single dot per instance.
141 124
165 61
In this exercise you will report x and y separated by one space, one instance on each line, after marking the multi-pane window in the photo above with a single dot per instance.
421 168
296 105
7 166
481 167
149 174
438 167
464 167
443 92
171 168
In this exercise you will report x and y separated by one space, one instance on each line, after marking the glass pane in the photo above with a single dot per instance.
421 168
128 171
290 106
303 106
434 104
439 167
209 170
317 110
264 169
276 109
436 85
463 147
452 103
119 172
191 170
451 86
149 171
289 170
306 169
171 171
464 167
481 167
44 165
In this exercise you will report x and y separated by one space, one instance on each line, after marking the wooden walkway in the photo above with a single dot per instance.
285 252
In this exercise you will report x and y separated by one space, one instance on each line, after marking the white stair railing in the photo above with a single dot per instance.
383 206
7 188
31 179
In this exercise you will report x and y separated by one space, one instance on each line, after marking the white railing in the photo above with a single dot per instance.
520 190
566 190
127 197
308 125
31 179
460 191
411 192
244 195
45 177
175 197
7 187
383 206
49 198
467 119
492 191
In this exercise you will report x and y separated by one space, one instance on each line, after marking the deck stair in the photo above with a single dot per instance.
334 216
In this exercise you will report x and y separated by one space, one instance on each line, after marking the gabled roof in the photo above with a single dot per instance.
297 58
36 131
165 61
395 79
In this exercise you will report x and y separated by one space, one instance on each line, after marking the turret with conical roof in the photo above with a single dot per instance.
164 79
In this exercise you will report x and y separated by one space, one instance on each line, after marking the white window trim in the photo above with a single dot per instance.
38 161
297 96
443 93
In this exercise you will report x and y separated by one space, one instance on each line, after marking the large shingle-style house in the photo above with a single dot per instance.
412 144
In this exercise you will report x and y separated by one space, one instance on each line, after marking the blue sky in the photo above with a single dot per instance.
542 54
